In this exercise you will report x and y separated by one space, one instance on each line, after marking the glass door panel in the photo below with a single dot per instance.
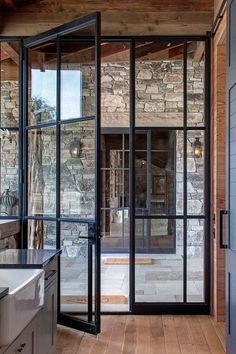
170 169
63 164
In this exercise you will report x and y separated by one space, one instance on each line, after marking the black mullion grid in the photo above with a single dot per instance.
58 142
164 128
25 149
132 176
58 169
97 174
185 142
20 142
207 176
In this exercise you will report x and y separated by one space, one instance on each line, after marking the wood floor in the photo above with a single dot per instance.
147 335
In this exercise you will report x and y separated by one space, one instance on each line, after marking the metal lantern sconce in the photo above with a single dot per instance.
75 148
197 148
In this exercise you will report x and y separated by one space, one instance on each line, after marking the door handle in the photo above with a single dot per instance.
222 213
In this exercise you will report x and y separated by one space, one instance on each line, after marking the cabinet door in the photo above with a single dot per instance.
47 323
25 343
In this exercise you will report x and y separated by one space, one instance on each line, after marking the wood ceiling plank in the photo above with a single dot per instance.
113 23
119 6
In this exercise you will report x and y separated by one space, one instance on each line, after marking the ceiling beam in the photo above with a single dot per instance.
11 51
199 51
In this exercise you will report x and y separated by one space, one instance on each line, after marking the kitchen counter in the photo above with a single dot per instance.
3 292
22 258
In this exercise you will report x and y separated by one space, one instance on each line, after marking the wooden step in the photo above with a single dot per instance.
125 261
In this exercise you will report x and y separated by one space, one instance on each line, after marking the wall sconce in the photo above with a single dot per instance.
197 148
75 148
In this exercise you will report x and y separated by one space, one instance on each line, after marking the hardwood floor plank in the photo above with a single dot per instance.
142 324
157 339
220 331
115 345
210 335
130 339
170 334
146 335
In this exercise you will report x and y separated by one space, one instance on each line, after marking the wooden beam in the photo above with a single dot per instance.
10 50
114 22
199 51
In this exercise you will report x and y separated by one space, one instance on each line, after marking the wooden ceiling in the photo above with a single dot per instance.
123 17
6 5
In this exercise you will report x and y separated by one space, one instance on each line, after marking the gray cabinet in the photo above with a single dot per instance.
39 337
47 321
25 343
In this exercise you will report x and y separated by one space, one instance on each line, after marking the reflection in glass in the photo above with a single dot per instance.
42 171
9 84
158 277
9 173
42 83
41 234
77 172
195 260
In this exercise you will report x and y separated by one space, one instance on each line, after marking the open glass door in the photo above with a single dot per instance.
62 160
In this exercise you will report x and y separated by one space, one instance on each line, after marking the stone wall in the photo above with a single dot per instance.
9 113
159 102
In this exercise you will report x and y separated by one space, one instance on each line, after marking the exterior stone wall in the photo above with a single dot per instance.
9 113
159 102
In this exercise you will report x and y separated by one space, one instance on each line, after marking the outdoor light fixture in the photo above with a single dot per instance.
197 148
75 148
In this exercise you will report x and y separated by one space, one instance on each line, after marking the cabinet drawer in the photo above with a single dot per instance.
25 343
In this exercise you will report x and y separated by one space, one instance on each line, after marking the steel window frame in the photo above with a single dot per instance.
184 306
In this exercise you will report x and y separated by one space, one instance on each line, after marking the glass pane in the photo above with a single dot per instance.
41 234
112 228
42 171
196 83
77 78
9 84
141 179
77 169
112 189
9 170
42 83
159 173
159 272
115 76
112 153
159 83
75 275
195 260
196 172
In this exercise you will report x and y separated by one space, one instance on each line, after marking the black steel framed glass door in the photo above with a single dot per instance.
169 175
62 161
